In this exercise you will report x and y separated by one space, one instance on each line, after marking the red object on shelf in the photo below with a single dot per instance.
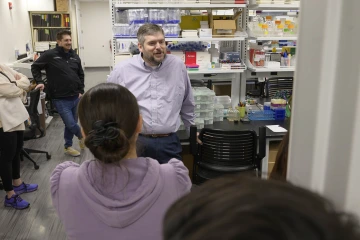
190 58
240 1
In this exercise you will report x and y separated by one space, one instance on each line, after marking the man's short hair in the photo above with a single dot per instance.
60 34
146 30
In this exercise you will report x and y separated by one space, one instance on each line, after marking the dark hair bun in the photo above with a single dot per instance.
107 142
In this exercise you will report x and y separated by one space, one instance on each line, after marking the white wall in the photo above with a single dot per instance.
325 131
15 25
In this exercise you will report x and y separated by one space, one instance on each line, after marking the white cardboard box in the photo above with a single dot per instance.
203 59
205 32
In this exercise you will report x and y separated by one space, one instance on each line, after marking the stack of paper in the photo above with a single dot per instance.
276 128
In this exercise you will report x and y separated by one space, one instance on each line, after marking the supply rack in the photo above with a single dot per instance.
240 44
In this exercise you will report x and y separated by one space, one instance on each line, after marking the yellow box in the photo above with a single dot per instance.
192 22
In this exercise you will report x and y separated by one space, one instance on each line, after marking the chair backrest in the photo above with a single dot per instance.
30 131
276 84
228 148
34 100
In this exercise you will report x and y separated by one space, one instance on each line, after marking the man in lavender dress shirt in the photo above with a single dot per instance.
162 87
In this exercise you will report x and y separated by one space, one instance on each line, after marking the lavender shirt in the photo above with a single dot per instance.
163 93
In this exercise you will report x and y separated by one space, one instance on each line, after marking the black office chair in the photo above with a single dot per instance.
226 152
31 131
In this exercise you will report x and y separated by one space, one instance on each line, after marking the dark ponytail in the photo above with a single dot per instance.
108 114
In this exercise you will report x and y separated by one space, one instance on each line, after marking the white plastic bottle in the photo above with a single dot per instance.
214 53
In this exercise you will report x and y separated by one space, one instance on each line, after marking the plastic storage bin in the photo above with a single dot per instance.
137 16
279 114
224 100
157 16
261 115
208 121
172 30
121 16
121 30
204 106
218 110
173 16
218 119
134 29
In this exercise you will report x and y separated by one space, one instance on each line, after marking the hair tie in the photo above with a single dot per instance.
103 131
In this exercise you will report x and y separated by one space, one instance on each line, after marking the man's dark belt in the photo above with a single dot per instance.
155 135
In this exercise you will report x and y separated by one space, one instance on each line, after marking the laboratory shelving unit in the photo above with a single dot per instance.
231 43
240 43
264 72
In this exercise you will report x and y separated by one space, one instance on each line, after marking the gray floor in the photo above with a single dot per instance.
40 222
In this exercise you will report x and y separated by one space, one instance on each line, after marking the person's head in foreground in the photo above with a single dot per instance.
110 120
238 208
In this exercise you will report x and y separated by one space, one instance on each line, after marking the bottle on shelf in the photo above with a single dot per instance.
214 52
265 29
280 30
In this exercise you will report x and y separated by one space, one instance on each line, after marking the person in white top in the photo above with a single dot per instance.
13 114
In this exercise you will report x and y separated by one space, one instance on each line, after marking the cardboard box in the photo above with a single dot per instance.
224 26
190 58
62 5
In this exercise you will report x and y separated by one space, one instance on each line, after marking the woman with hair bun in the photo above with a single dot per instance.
116 195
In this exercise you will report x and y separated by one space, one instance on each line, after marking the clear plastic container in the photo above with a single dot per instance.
157 16
218 119
199 122
173 16
199 113
197 96
223 100
134 29
121 16
172 30
204 106
121 30
236 115
137 16
208 121
231 114
218 110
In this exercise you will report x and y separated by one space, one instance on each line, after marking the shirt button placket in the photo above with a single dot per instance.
153 106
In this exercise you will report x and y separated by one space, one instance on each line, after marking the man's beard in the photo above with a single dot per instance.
151 59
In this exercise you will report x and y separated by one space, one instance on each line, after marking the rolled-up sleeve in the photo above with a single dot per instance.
187 111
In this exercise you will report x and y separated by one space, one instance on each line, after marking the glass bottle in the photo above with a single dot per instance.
265 29
280 30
